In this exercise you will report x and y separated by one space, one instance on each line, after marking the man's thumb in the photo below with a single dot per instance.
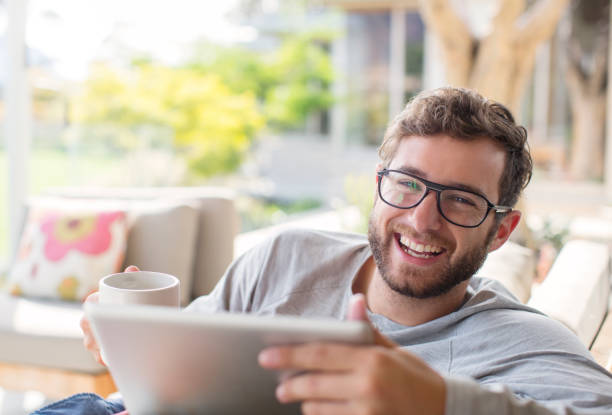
357 311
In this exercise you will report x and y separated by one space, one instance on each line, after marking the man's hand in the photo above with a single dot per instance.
88 338
342 379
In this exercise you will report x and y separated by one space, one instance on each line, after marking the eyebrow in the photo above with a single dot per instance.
422 174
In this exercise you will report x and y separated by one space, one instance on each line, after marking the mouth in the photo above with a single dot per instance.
416 249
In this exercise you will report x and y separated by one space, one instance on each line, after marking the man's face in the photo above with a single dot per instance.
417 252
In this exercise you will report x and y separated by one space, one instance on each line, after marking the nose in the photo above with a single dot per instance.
425 216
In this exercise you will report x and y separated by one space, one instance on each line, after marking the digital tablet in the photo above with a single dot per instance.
167 361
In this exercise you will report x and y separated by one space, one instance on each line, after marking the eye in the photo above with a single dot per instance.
461 199
410 185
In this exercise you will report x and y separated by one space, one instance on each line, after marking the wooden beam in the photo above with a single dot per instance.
54 383
397 62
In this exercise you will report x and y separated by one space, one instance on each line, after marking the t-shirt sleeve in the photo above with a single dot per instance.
464 396
587 391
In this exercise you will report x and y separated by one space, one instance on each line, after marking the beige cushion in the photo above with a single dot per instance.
161 237
514 266
577 288
215 246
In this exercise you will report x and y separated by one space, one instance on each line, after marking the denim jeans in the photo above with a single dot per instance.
82 404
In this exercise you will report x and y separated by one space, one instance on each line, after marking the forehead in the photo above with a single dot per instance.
476 163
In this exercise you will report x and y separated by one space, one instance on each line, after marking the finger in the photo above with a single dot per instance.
357 310
328 408
311 356
90 343
93 297
84 323
319 386
98 357
85 327
132 268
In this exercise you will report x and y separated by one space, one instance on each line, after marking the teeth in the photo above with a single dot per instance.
420 248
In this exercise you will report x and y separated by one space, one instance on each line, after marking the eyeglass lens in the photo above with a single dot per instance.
460 207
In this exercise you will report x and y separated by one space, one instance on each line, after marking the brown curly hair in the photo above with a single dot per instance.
465 114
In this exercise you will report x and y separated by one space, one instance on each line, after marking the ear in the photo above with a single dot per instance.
379 167
504 229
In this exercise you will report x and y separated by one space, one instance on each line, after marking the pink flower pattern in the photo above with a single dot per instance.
88 234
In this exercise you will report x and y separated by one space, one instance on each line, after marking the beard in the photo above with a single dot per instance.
415 283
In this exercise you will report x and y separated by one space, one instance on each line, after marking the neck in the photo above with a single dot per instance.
408 311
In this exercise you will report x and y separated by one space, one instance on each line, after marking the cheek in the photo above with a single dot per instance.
467 241
383 213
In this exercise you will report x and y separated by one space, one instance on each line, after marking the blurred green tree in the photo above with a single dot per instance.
212 125
290 82
215 104
303 74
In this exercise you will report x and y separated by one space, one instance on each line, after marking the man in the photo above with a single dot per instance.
453 165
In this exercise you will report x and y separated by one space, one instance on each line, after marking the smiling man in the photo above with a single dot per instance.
453 165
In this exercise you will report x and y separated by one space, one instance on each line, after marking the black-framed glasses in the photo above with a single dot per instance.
458 206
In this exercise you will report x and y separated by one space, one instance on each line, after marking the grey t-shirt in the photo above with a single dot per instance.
497 355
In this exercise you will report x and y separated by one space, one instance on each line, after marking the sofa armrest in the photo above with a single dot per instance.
602 346
577 288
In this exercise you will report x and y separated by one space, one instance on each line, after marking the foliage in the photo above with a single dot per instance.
303 72
239 68
212 125
290 82
415 56
212 107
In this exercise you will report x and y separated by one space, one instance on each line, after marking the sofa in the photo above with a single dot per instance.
187 232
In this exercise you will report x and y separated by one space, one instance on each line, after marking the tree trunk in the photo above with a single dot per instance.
588 104
454 36
586 76
499 65
587 156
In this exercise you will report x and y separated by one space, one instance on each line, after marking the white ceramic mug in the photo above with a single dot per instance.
140 287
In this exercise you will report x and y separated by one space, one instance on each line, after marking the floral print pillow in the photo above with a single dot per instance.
62 255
